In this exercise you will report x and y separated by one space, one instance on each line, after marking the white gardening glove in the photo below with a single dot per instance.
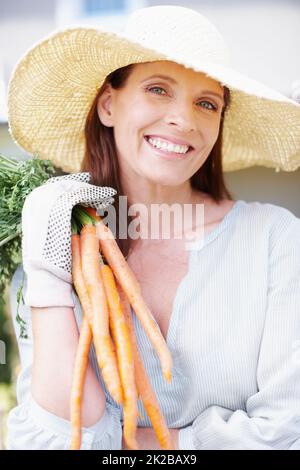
46 236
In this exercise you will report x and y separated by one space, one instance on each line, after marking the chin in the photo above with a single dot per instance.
166 180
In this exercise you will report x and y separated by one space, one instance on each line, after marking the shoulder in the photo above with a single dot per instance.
273 213
264 213
273 220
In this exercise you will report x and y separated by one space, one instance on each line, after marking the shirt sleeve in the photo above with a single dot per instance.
31 427
272 416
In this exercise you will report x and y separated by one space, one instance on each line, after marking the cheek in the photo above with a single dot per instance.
211 134
145 114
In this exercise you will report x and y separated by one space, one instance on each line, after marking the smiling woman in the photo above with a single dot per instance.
157 114
175 117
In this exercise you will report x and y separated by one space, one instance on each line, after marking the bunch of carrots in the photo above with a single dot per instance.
106 287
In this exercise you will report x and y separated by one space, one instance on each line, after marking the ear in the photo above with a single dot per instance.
104 107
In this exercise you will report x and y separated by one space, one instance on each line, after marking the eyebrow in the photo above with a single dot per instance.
172 80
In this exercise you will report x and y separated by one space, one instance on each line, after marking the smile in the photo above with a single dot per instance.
167 153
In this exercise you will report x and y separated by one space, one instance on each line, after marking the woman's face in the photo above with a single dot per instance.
185 106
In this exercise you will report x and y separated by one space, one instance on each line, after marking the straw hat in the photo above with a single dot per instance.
53 86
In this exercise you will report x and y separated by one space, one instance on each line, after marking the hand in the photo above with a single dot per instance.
147 440
46 236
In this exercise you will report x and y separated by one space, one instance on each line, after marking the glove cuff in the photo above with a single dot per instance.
45 289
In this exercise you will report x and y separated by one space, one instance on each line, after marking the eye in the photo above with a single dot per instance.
155 88
212 106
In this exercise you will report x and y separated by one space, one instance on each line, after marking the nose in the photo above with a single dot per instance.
182 116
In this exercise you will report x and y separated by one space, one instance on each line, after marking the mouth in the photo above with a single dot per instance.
167 154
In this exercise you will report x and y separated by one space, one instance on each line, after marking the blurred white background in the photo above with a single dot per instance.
263 36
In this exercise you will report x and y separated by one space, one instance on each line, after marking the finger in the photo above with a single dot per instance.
90 193
100 204
104 204
83 177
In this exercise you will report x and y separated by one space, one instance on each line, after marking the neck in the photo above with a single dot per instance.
161 211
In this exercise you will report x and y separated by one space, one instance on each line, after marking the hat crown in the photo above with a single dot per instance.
169 28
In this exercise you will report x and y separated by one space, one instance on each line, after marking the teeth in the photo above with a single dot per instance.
162 144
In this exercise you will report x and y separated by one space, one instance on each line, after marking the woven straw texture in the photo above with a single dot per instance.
53 86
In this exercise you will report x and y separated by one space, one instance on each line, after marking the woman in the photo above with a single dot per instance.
229 307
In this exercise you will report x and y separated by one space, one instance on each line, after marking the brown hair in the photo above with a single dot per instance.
101 159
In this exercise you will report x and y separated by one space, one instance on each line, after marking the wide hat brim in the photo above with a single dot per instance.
54 84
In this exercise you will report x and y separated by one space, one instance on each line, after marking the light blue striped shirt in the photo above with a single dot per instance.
234 335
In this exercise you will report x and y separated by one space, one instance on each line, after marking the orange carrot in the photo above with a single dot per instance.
121 336
132 289
82 353
143 384
78 279
105 352
80 368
